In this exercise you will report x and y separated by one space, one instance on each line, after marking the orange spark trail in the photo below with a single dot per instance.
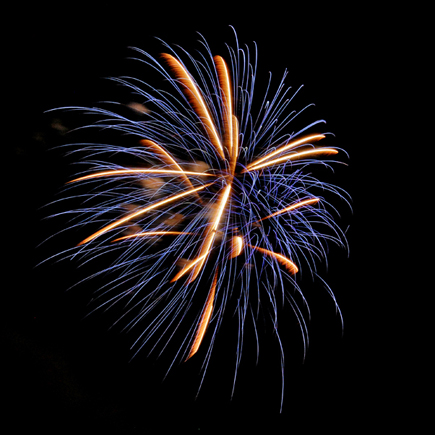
116 172
205 249
186 268
140 212
195 100
289 265
292 144
151 233
166 157
292 157
162 152
209 238
205 318
292 207
224 81
233 159
236 246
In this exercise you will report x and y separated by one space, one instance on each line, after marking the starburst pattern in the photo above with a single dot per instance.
219 202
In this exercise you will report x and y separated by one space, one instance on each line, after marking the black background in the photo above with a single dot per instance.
65 372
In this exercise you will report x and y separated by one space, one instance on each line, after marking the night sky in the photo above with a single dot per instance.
68 372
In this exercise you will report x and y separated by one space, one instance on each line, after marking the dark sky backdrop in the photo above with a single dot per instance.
67 373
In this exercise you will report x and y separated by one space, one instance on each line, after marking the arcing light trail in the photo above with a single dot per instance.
249 205
136 214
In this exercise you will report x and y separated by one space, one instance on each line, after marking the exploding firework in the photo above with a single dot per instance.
217 203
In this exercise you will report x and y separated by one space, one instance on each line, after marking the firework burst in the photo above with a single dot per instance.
217 204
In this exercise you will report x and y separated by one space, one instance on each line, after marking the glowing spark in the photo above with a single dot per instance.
189 265
166 157
224 80
195 100
139 213
209 238
235 144
236 246
292 144
150 234
292 207
292 157
205 318
117 172
288 264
